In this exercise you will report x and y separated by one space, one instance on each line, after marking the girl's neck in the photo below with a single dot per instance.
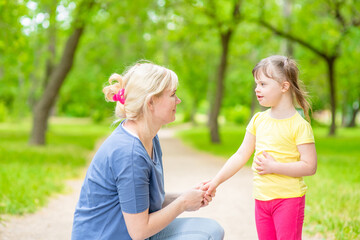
281 114
284 109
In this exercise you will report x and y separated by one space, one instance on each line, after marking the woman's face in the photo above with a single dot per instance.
164 106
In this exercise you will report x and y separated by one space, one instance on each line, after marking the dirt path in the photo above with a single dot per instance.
183 168
233 205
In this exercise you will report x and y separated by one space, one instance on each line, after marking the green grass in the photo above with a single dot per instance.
333 197
30 174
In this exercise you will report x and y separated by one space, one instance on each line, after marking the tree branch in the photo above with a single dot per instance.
293 38
236 12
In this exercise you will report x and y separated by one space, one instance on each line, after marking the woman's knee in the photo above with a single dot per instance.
191 228
211 227
217 230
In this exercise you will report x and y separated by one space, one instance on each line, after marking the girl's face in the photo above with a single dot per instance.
268 91
164 106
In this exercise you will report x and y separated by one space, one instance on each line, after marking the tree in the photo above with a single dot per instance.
57 76
226 26
329 50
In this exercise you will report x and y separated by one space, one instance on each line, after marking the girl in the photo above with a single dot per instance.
123 196
284 151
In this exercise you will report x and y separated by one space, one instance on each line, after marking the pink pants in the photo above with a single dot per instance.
280 219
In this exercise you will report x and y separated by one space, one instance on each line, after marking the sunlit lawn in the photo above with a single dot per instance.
333 197
29 174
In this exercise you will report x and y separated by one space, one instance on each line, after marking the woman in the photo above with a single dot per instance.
123 196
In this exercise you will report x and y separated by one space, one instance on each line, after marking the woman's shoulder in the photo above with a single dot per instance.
119 143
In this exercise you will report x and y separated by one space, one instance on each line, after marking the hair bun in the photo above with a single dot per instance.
115 77
113 88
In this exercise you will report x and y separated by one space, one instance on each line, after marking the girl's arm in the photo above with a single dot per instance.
305 167
143 225
234 164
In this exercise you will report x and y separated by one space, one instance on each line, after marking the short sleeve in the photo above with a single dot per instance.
251 128
132 176
304 134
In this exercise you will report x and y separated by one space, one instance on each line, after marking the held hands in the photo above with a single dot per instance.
196 198
210 188
193 199
199 196
265 163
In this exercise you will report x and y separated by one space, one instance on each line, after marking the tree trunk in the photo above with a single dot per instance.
215 107
331 69
52 42
57 77
355 111
344 110
288 45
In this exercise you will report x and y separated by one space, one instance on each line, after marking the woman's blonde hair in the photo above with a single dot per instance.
281 68
140 82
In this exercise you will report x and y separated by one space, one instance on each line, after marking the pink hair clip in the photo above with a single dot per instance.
120 96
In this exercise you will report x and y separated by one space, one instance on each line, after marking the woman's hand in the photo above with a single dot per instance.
265 164
193 199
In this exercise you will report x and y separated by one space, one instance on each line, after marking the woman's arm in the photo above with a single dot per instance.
169 198
305 167
234 164
143 225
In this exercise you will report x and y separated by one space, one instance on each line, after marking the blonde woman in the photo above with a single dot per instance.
123 196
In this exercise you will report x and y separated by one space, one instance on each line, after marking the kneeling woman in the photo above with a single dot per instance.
123 196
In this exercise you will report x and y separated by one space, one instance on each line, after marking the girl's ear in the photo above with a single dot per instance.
285 86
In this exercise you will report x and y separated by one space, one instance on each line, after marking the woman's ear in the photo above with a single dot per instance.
285 86
150 103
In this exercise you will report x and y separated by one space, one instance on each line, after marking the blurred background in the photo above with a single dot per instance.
56 56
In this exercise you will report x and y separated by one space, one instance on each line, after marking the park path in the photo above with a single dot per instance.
184 167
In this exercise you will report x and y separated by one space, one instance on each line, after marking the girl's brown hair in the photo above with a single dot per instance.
281 68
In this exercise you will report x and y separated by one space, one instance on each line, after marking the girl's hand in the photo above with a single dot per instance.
207 198
200 185
210 188
265 164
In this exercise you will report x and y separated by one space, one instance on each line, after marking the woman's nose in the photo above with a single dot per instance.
178 100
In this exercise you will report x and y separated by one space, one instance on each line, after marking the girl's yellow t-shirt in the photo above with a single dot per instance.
279 138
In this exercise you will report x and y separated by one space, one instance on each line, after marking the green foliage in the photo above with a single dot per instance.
29 175
3 112
199 138
334 192
97 116
181 36
239 114
333 197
